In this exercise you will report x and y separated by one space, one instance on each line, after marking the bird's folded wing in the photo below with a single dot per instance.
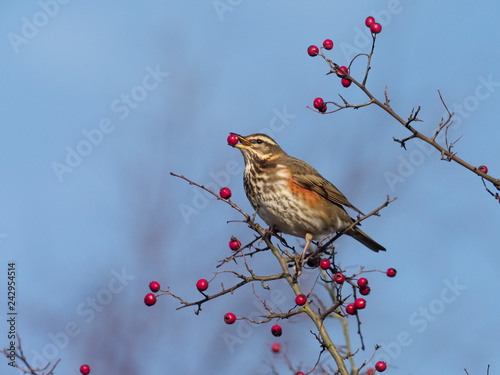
309 178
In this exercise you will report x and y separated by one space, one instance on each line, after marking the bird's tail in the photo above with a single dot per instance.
366 240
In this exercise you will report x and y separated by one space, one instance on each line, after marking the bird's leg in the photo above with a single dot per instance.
309 238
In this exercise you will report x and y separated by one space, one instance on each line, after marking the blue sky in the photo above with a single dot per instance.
102 101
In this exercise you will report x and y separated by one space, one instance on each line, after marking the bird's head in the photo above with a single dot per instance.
258 148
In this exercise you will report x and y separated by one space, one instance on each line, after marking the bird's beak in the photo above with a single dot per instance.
244 143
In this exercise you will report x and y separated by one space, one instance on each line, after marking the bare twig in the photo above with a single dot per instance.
446 151
228 201
19 353
359 220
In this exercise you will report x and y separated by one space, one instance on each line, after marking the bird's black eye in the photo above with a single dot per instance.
259 141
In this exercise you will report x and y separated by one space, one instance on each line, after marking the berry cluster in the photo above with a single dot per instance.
150 298
363 288
342 72
320 105
312 50
374 27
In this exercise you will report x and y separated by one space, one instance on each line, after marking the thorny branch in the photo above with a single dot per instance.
446 150
375 212
19 353
286 261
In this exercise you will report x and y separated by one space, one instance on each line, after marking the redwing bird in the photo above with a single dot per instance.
292 197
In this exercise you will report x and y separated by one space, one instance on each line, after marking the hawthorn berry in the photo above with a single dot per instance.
365 290
154 286
85 369
351 309
234 244
342 71
391 272
301 300
369 21
323 109
375 28
339 278
324 264
225 193
232 139
362 282
380 366
276 330
370 371
202 285
312 50
276 347
299 373
229 318
150 299
360 303
318 103
483 168
328 44
346 82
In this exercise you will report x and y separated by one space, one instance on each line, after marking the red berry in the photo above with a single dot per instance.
85 369
225 193
365 290
300 300
232 139
276 330
328 44
370 371
234 244
350 309
391 272
276 347
360 303
318 103
380 366
202 285
323 109
483 168
299 373
312 50
154 286
362 282
229 318
345 82
150 299
324 264
375 28
369 21
342 71
339 278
